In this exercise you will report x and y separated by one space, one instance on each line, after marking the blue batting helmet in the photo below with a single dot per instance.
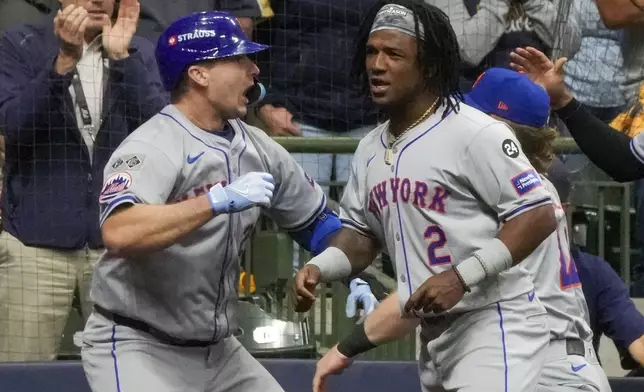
200 36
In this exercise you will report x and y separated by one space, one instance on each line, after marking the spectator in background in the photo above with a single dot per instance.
157 15
12 13
306 71
612 312
627 15
488 30
15 12
595 73
72 88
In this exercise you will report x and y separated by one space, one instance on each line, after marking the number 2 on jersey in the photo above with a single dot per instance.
568 275
437 240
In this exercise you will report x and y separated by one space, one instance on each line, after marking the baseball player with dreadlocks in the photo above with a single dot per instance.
180 199
571 361
450 196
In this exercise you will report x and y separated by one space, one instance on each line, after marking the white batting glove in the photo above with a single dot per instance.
360 293
250 190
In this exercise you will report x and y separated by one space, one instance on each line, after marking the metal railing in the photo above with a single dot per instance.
328 320
270 254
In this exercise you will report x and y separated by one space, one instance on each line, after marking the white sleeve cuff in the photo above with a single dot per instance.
486 262
333 264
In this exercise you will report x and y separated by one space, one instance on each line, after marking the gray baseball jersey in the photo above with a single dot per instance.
637 146
189 290
558 287
557 282
453 182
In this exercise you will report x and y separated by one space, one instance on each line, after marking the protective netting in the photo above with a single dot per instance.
51 176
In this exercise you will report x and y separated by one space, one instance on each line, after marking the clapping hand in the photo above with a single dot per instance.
117 36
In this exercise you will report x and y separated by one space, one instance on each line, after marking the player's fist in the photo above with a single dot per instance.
360 294
306 280
333 362
437 294
69 27
250 190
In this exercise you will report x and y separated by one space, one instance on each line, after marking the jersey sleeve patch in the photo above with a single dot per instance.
115 185
128 162
526 181
510 148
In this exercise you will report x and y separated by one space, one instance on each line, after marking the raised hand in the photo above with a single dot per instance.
541 70
117 37
69 26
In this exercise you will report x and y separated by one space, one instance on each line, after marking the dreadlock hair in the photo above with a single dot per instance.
438 52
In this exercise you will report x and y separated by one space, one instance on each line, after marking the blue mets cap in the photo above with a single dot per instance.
510 95
200 36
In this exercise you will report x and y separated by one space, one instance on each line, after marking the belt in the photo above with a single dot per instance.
150 330
563 347
575 347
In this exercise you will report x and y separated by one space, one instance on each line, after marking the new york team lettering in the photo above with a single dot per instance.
198 191
418 193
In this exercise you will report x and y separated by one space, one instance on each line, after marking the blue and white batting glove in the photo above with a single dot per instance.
247 191
360 293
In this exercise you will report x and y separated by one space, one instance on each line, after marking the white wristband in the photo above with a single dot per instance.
333 264
486 262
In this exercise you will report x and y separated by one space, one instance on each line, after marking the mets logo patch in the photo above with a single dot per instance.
115 185
526 181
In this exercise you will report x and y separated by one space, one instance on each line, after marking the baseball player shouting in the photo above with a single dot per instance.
571 361
447 191
181 196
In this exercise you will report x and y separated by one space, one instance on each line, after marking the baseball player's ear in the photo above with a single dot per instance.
198 74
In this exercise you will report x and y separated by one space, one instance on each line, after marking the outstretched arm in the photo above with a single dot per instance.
348 254
618 155
360 250
384 325
350 251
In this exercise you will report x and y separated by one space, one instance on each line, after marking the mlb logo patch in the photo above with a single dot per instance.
117 163
526 181
115 185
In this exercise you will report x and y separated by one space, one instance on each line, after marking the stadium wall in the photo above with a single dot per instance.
293 375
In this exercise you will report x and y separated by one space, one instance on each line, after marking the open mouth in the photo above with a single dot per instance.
251 94
378 86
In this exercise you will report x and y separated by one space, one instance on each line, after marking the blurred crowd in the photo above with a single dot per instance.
60 121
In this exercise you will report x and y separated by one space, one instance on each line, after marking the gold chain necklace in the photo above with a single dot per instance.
391 139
